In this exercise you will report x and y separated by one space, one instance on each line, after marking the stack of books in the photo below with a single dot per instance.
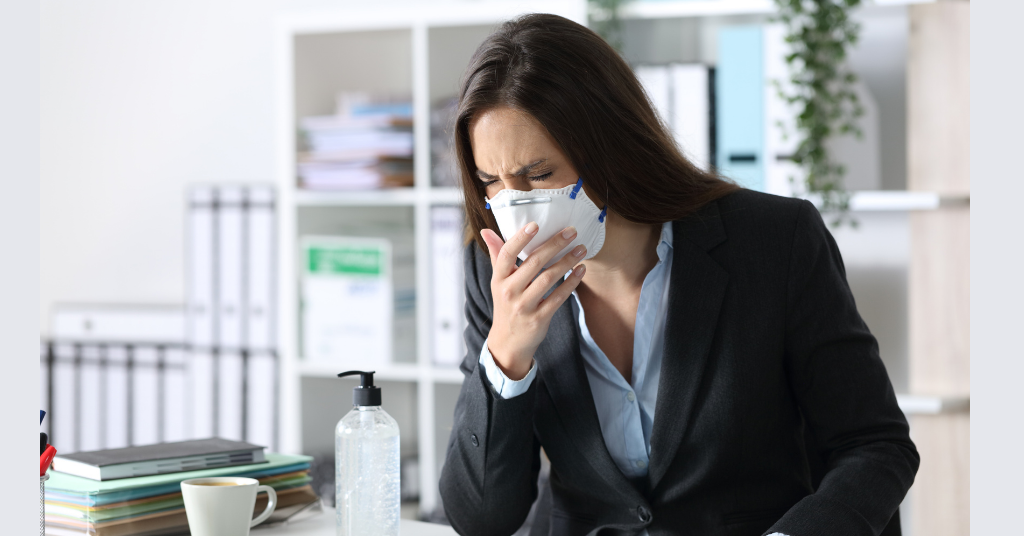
367 144
99 500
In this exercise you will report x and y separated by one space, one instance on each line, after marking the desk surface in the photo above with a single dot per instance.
323 525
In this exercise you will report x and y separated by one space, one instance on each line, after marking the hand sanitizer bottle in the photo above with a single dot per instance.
366 465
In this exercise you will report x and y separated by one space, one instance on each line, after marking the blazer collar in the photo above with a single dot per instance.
696 289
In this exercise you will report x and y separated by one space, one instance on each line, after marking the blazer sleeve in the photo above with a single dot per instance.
489 478
844 394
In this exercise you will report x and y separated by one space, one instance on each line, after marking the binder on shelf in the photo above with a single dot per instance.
260 248
260 336
756 127
229 280
201 284
233 364
200 276
121 323
692 111
740 89
682 95
447 282
655 81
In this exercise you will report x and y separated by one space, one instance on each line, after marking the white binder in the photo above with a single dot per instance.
446 277
655 81
259 285
233 359
98 392
200 266
691 111
230 280
202 259
259 327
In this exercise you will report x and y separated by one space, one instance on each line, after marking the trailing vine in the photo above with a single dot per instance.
819 33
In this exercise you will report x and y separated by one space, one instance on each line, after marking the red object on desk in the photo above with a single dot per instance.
46 459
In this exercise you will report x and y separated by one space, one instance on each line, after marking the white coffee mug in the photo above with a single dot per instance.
222 506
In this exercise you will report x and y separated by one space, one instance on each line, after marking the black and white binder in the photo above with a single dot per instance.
233 256
200 283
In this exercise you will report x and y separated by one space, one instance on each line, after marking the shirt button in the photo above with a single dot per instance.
643 513
476 442
630 396
641 464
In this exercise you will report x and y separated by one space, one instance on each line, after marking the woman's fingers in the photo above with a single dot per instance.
503 260
559 295
494 243
535 292
540 256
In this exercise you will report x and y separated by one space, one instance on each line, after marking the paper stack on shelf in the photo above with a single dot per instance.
367 144
152 505
359 297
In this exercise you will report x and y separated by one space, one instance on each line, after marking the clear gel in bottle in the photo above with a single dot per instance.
366 465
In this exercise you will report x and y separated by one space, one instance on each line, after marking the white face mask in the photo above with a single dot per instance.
553 210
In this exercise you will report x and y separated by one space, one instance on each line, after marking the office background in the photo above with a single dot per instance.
140 103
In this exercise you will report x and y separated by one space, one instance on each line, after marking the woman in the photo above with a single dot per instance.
704 371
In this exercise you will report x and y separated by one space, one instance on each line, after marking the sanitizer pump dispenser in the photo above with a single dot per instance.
366 465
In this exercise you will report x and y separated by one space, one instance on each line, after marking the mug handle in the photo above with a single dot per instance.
271 504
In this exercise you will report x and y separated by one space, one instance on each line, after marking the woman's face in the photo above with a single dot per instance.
512 150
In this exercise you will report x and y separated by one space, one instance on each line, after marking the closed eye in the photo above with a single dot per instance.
541 177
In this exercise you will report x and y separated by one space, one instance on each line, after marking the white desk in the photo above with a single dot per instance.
323 525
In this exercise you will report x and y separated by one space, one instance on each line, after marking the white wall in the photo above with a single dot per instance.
139 99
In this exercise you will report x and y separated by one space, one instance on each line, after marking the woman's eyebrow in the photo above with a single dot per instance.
519 173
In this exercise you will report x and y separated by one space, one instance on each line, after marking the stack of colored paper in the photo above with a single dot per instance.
368 144
152 505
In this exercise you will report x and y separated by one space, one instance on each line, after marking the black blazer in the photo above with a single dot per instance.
765 353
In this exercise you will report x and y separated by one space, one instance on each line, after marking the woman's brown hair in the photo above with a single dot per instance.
589 100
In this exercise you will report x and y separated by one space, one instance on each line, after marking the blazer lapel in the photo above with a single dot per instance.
696 289
561 367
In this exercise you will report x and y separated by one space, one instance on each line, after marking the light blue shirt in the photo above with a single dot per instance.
625 411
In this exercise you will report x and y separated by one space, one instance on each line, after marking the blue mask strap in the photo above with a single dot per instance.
600 216
576 189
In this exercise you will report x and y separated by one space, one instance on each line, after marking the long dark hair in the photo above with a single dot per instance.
589 100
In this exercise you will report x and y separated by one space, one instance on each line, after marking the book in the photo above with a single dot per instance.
63 487
173 520
161 458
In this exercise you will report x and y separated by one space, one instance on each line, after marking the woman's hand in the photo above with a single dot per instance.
521 312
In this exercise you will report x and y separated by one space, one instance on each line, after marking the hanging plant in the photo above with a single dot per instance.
605 20
819 34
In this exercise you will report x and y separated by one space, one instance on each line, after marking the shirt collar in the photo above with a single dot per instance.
665 245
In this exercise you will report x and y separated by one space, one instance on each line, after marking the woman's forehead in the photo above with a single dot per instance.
506 139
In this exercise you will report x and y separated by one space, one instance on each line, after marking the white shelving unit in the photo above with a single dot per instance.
422 49
664 9
385 48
